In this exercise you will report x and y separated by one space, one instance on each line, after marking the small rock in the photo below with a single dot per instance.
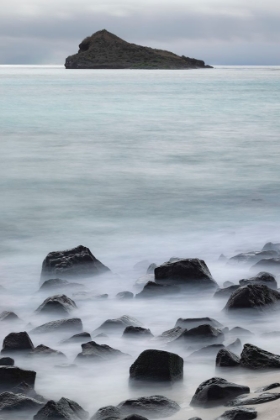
43 351
118 325
251 257
25 389
151 268
170 335
155 406
125 295
203 333
61 325
226 358
228 284
208 351
271 264
64 409
269 246
135 417
97 352
239 414
235 346
7 361
17 342
226 292
83 337
137 332
239 331
268 387
107 413
58 305
253 357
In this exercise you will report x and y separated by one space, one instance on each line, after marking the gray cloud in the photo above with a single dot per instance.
219 38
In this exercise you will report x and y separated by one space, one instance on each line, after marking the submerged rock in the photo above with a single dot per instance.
8 316
109 412
157 366
260 399
257 297
83 337
156 406
188 323
64 409
261 278
269 246
58 305
44 351
208 351
98 352
226 292
254 357
76 262
18 402
17 342
235 346
239 414
25 389
125 295
271 264
226 358
268 387
53 284
118 325
251 257
151 268
61 325
203 333
216 391
12 376
171 334
155 290
137 332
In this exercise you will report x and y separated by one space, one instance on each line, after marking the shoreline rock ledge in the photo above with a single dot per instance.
104 50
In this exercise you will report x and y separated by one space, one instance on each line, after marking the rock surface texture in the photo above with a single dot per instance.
61 325
97 352
58 304
253 357
64 409
257 296
103 50
17 342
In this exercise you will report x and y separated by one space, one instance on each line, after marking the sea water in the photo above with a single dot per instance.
136 165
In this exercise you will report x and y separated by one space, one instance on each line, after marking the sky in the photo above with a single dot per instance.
225 32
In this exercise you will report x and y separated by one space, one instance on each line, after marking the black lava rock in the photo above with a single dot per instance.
253 357
57 305
216 391
157 366
12 376
226 358
17 342
74 262
61 325
64 409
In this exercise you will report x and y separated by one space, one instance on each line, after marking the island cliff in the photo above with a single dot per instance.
104 50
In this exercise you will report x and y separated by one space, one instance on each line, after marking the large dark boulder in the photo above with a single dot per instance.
17 342
97 352
10 402
76 262
261 278
64 409
253 357
118 325
216 391
202 334
190 272
260 399
252 257
11 376
109 412
226 358
61 325
7 361
258 297
54 284
188 323
226 292
137 332
83 337
154 290
239 414
156 406
157 366
57 305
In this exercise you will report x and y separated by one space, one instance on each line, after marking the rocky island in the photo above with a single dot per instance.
104 50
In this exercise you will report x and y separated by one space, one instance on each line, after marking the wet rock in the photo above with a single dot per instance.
235 346
7 361
156 406
151 268
216 391
83 337
271 264
53 284
11 376
137 332
261 278
188 323
171 334
226 292
17 342
269 246
190 272
226 358
257 297
18 402
61 325
58 305
125 295
76 262
109 412
239 414
253 357
118 325
97 352
251 257
208 351
203 333
157 366
8 316
260 399
64 409
44 351
268 387
154 290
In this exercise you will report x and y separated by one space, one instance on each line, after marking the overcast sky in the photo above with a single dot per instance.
217 31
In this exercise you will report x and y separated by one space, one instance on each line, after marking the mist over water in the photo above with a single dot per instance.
136 165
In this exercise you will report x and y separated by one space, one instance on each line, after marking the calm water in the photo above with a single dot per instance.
135 165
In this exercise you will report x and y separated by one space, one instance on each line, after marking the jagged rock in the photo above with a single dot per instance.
188 323
228 284
203 333
236 346
61 325
253 357
268 387
269 246
157 366
64 409
125 295
52 284
171 334
107 413
239 331
17 342
104 50
25 389
7 361
97 352
18 402
208 351
216 391
8 316
226 292
190 272
118 325
83 337
11 376
271 264
44 351
239 414
156 406
251 257
257 297
226 358
154 290
261 278
58 305
76 262
260 399
137 332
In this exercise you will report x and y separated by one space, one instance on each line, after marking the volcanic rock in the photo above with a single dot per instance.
76 262
253 357
64 409
61 325
17 342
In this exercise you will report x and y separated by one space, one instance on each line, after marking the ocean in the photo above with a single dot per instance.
136 165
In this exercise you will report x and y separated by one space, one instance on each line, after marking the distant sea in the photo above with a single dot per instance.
137 164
